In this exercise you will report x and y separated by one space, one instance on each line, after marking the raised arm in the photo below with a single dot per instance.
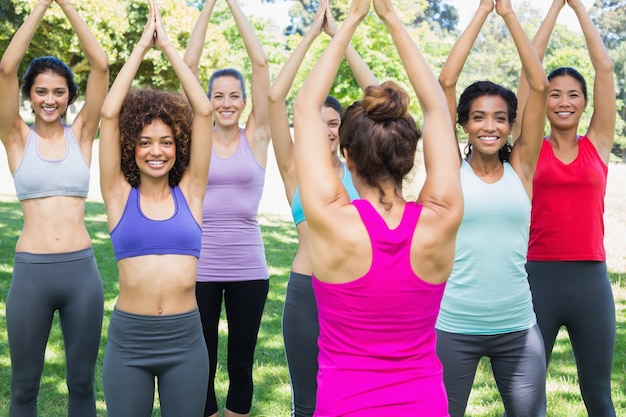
362 73
279 120
602 126
319 185
540 42
258 126
527 146
441 191
196 176
451 70
113 184
85 124
11 124
198 35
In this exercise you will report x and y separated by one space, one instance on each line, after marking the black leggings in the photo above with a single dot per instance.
42 284
578 295
244 302
300 332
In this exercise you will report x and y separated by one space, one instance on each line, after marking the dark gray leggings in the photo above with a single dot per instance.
169 348
300 332
518 365
578 295
42 284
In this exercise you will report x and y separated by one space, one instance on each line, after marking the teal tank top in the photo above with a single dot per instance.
296 204
488 291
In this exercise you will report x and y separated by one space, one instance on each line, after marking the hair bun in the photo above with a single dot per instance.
387 101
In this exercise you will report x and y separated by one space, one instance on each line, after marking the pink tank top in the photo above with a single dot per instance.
566 221
377 333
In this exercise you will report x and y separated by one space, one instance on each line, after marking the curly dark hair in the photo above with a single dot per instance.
486 88
139 109
380 136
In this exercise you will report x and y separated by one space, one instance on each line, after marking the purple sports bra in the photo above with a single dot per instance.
137 235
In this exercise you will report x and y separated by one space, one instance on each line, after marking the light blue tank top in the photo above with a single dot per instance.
296 203
37 177
488 291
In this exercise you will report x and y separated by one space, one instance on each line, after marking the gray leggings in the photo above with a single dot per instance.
169 348
42 284
578 295
300 332
518 364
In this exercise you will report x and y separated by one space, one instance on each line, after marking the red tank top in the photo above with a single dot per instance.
566 221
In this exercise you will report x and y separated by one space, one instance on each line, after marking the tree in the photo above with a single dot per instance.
440 15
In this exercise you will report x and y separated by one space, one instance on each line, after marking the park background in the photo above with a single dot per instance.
434 25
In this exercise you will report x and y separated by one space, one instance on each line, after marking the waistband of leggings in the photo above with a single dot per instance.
51 258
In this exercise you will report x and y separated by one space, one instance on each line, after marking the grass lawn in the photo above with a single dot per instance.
272 392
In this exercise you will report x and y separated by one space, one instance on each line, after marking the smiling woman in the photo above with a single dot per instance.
54 258
487 308
153 201
232 265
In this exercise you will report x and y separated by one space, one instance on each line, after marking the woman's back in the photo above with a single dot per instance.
377 332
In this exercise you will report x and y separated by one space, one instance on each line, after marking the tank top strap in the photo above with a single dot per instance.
377 227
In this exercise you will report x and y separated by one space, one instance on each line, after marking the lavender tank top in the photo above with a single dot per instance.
232 246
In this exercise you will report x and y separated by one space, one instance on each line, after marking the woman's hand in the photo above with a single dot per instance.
487 5
149 32
503 7
160 37
320 18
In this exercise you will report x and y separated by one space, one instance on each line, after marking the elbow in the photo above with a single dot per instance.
274 96
446 82
205 110
107 112
260 62
606 67
102 64
541 85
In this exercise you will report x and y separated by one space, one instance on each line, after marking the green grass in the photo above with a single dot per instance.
272 392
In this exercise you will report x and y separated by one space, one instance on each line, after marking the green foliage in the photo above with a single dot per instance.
440 16
610 16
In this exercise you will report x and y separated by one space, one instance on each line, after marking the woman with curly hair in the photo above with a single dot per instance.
55 267
379 263
154 209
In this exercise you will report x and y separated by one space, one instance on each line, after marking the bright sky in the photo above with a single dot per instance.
567 17
279 10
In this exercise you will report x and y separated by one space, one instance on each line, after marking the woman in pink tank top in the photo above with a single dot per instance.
380 263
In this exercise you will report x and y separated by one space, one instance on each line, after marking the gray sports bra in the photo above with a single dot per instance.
37 177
